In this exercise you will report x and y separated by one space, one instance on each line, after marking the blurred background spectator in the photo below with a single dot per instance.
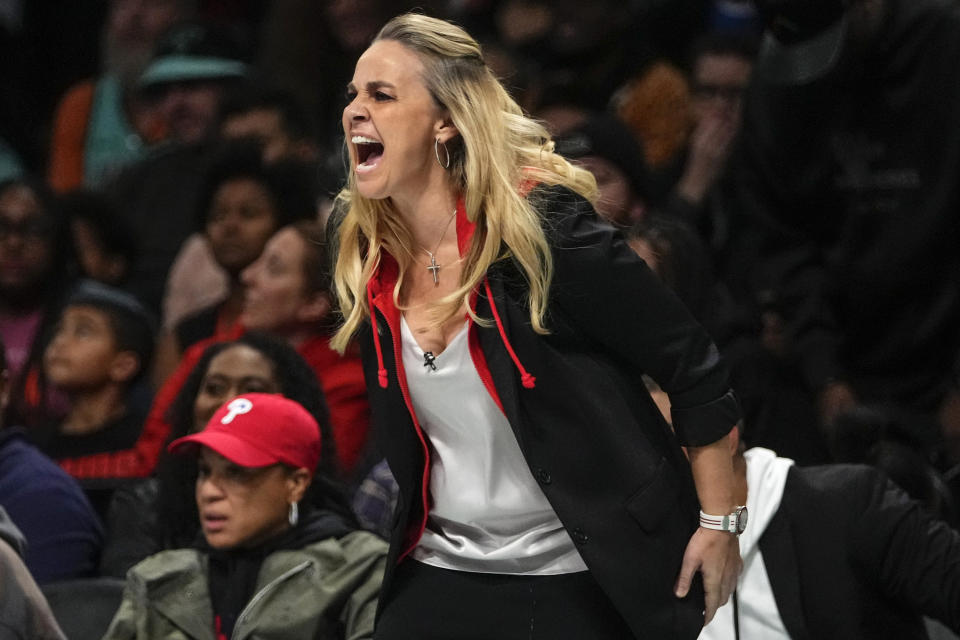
35 263
241 204
192 69
273 120
604 146
106 122
850 179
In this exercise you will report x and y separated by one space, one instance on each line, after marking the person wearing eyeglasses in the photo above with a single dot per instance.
34 255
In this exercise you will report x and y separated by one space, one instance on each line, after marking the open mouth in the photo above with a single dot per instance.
369 152
214 523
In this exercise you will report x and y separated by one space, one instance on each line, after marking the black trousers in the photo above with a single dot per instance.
429 603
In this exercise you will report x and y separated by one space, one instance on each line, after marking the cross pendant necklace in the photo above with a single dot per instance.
433 267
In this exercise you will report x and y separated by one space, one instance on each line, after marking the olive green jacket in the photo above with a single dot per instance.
326 590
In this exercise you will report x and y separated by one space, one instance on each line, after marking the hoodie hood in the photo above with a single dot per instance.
759 616
766 477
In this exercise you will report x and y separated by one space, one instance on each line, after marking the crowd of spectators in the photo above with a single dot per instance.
167 168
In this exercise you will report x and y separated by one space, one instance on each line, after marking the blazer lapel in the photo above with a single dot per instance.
780 560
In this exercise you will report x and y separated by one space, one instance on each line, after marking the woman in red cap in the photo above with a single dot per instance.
266 567
159 512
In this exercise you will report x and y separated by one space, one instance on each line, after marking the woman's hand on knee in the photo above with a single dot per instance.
716 555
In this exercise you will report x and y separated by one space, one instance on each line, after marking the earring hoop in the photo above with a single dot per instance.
293 516
436 152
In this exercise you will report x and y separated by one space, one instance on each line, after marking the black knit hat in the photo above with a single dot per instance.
607 137
802 39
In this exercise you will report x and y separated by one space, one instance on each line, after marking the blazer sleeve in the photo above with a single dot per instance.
611 296
914 557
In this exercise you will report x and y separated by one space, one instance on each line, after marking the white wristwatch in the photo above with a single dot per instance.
734 522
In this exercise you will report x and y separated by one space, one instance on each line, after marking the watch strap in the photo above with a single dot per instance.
719 523
730 522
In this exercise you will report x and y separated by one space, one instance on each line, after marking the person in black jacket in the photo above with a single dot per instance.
836 551
849 173
505 329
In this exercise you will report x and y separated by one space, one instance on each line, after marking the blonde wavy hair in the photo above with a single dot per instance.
498 149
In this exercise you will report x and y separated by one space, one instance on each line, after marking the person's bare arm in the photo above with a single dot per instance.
715 554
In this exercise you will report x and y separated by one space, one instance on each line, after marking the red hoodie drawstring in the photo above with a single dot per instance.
218 628
528 380
381 370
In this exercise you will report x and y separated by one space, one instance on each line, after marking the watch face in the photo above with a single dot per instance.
741 520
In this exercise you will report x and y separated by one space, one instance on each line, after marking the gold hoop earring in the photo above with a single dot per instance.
436 152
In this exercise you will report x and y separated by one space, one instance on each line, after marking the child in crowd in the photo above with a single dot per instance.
267 565
102 344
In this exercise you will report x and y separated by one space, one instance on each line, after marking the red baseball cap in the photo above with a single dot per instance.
258 430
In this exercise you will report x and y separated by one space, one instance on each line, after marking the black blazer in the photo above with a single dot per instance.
593 438
850 555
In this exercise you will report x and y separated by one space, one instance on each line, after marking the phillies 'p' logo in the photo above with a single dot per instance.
236 407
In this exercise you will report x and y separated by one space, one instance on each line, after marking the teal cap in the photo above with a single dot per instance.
183 68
